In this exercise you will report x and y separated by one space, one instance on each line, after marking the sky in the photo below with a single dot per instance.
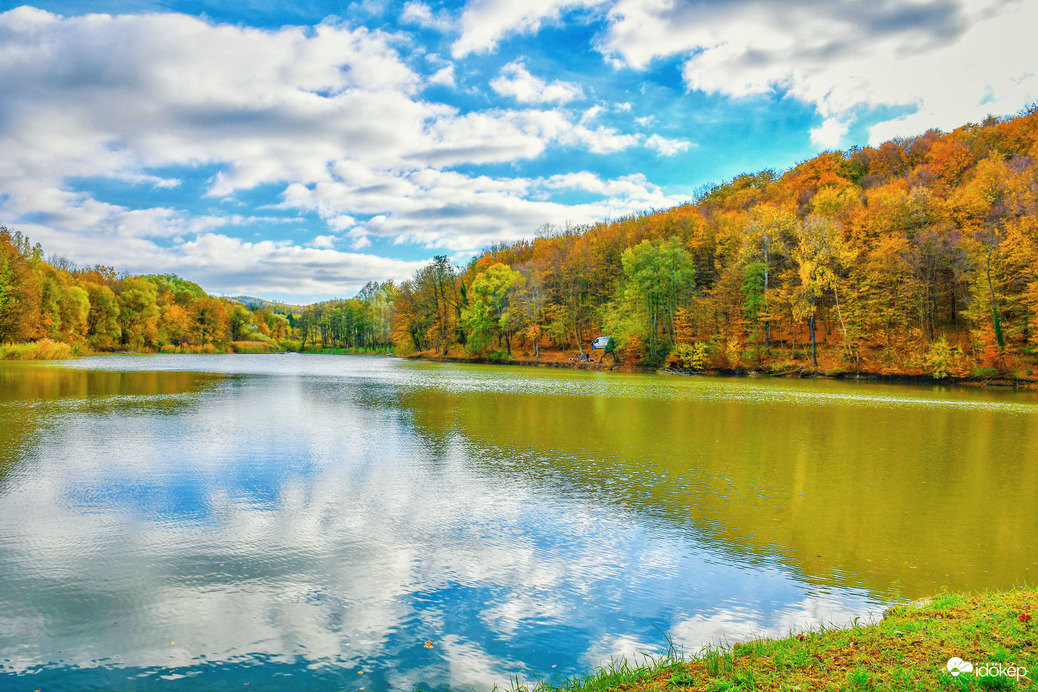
296 151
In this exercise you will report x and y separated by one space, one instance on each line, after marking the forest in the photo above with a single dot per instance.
917 257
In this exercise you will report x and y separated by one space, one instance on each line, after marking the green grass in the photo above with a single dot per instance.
907 651
619 675
44 349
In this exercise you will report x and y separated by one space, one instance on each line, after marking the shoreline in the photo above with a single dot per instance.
797 374
911 648
803 372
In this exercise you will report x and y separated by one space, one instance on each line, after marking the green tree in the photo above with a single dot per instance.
659 276
138 312
103 330
241 323
488 315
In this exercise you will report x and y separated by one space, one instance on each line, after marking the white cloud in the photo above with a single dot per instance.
590 114
332 113
830 133
932 57
665 146
443 76
421 14
516 81
485 22
447 209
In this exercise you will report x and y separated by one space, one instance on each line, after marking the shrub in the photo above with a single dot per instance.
251 347
689 356
938 359
44 349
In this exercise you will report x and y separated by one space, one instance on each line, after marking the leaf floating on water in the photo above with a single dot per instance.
429 644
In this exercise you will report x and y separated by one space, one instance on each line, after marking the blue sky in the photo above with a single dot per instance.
297 151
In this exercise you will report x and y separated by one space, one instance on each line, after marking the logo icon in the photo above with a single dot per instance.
956 666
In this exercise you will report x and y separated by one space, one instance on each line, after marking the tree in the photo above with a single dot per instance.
488 315
19 289
658 275
210 324
821 256
103 330
241 323
767 236
138 312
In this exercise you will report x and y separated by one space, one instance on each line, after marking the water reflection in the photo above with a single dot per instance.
321 518
903 500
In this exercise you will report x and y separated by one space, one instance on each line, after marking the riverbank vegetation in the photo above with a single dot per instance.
54 309
908 650
915 258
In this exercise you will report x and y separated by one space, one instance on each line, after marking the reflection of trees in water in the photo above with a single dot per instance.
32 382
900 500
32 394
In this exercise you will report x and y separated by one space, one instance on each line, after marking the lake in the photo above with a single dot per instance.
336 522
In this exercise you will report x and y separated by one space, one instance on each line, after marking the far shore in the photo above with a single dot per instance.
47 350
799 372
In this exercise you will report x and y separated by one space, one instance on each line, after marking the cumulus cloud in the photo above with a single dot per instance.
517 82
447 209
421 14
665 146
443 76
231 265
933 58
485 22
332 114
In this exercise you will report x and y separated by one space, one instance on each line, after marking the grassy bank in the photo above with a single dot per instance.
907 651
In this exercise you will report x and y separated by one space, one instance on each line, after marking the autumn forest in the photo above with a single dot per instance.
917 257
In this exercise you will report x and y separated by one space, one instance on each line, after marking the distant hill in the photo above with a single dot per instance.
272 305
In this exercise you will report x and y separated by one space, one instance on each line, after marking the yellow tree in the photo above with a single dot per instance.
821 257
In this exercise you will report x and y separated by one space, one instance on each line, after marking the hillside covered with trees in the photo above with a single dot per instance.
62 309
916 257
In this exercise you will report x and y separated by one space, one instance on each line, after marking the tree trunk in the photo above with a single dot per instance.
811 324
839 313
995 316
767 323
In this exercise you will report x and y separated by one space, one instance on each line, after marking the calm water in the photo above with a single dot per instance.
201 522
